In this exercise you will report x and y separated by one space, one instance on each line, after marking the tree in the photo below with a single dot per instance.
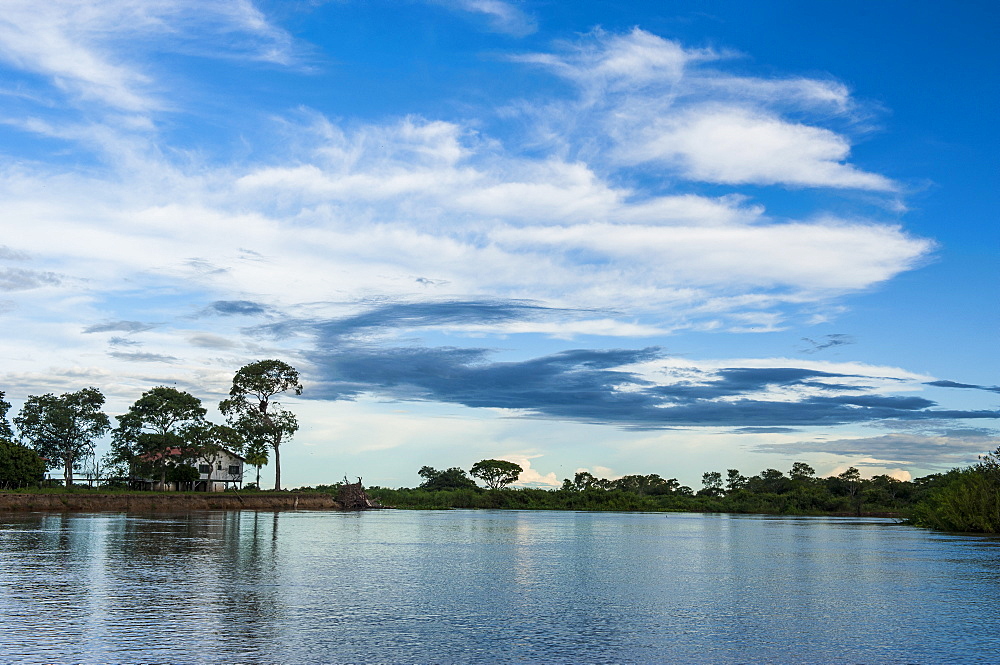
449 479
256 456
5 431
496 473
63 429
19 465
251 410
802 472
735 481
152 434
853 484
711 482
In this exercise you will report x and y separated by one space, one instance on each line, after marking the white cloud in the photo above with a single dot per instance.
502 16
737 146
645 99
92 49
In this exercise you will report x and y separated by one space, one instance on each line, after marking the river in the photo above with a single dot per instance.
491 587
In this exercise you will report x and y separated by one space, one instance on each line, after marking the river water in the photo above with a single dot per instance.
491 587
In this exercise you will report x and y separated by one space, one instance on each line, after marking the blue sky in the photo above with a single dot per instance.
633 237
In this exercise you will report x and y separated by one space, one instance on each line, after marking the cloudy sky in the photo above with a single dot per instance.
637 237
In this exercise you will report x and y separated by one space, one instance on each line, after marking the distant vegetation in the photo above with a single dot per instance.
965 500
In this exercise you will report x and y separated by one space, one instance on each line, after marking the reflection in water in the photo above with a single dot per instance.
466 587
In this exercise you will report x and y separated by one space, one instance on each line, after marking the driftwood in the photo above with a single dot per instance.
352 496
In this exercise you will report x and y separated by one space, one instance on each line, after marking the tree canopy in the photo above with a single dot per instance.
19 465
62 429
154 428
496 473
252 411
453 478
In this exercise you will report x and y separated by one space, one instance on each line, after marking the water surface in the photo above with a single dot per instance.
491 586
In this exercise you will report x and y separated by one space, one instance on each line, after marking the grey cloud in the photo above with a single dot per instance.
396 316
205 267
827 342
236 308
10 254
426 281
119 326
123 341
581 384
20 279
955 384
250 255
207 341
422 315
902 449
765 430
139 357
586 385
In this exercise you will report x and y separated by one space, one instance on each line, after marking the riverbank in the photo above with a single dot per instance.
164 501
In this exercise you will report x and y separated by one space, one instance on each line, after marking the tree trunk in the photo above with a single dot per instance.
277 466
68 473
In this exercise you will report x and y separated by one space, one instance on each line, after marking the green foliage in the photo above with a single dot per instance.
965 500
151 435
20 466
496 473
5 431
251 410
183 473
63 429
449 479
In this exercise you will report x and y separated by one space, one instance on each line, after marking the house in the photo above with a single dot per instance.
215 473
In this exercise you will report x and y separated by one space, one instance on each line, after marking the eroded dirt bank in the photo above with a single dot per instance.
165 501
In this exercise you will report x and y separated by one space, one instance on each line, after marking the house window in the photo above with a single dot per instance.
204 468
219 467
234 470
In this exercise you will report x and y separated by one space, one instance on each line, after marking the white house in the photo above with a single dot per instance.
215 474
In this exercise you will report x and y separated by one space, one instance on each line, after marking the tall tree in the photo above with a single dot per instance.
496 473
154 429
63 429
252 411
5 430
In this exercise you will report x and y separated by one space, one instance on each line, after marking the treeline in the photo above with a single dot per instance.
965 500
960 500
163 435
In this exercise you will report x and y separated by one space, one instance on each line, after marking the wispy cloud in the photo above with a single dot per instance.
659 103
93 49
501 15
826 342
140 357
955 384
22 279
119 326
